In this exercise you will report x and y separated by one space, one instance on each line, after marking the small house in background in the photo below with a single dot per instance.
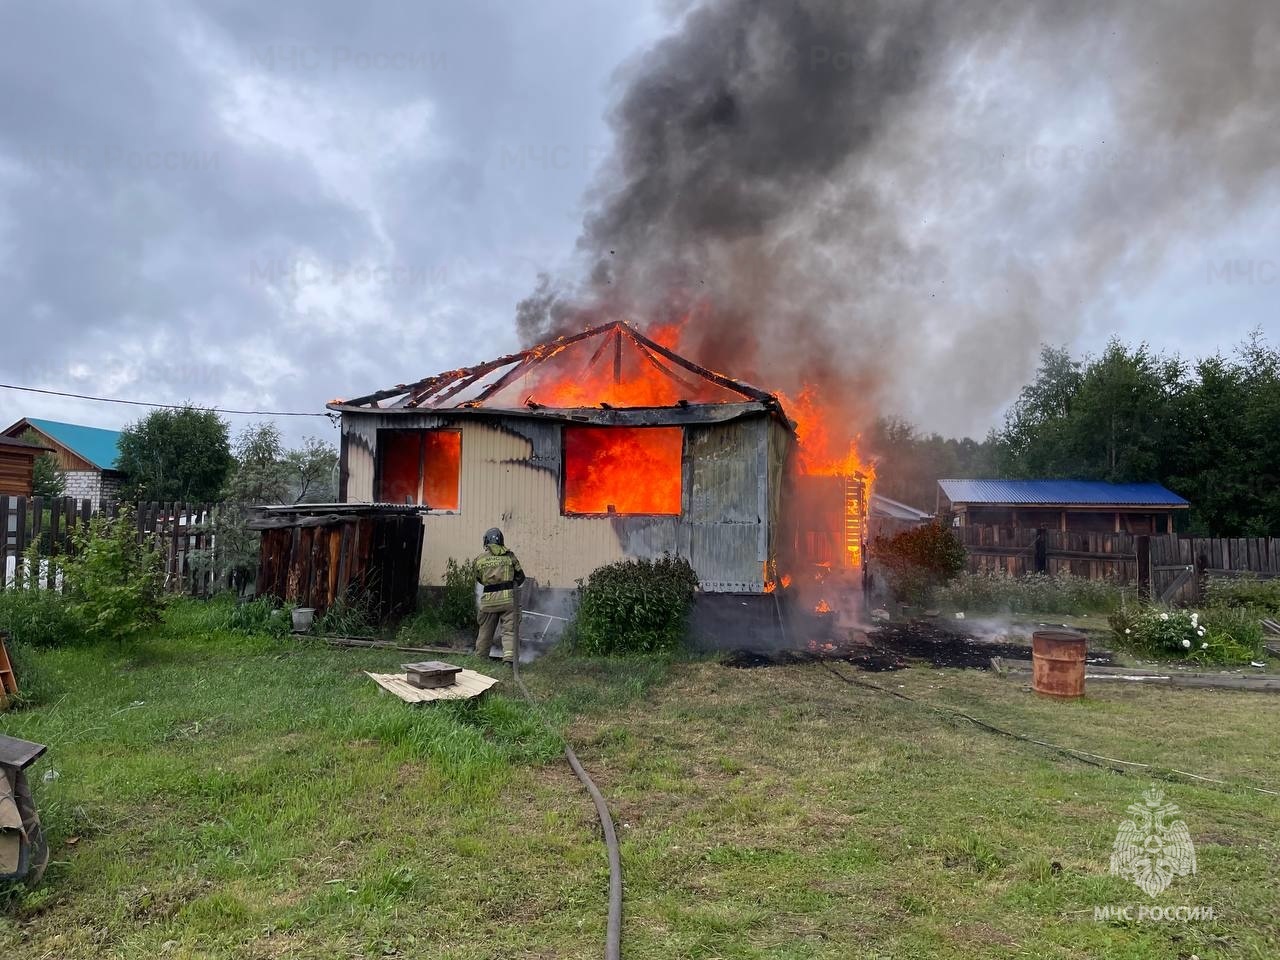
1084 506
888 518
87 455
17 465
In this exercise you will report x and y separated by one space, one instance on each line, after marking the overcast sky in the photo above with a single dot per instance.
268 205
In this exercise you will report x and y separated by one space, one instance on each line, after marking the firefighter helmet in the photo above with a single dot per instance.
493 535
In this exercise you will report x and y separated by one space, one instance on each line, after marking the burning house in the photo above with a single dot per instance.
597 447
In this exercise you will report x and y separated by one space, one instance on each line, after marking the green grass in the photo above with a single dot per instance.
1034 593
230 796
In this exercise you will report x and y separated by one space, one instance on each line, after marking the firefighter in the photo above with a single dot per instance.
499 574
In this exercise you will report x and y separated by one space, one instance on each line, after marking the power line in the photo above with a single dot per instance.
166 406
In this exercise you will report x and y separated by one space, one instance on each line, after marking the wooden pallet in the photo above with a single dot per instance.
470 684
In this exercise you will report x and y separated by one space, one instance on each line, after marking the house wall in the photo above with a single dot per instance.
1081 520
15 472
96 485
511 477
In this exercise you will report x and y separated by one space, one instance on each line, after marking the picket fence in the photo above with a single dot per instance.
36 531
1172 568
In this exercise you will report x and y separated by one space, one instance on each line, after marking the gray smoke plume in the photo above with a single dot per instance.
899 200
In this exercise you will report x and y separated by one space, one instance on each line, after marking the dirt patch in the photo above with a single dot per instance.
893 646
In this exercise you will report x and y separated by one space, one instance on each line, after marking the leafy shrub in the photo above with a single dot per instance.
1222 634
918 560
458 604
260 616
635 606
446 611
998 592
115 582
39 618
1262 596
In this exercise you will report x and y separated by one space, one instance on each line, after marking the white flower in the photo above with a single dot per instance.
1204 646
1200 632
1127 630
1186 643
1164 616
1195 619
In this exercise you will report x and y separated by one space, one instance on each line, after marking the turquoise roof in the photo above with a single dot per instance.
100 447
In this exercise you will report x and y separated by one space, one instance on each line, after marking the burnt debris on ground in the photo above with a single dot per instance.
893 646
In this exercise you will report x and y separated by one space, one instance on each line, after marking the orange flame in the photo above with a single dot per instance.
822 607
622 470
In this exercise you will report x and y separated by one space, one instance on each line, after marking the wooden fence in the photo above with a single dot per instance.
1172 568
182 534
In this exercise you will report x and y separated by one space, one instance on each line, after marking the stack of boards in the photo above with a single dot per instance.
433 680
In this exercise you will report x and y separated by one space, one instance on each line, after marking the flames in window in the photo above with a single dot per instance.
622 470
420 466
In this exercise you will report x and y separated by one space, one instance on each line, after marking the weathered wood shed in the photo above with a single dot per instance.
314 554
17 466
593 448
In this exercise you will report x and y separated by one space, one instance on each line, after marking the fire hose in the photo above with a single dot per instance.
1111 764
613 928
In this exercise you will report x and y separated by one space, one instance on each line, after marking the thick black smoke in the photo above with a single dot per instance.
901 199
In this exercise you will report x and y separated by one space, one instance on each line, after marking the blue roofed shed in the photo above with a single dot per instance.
1093 506
89 456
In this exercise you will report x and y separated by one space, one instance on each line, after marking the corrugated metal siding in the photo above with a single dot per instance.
359 438
726 511
511 479
504 486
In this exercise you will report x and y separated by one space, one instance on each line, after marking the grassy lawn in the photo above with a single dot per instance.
221 796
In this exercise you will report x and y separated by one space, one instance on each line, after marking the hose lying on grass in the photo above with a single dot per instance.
613 928
1093 759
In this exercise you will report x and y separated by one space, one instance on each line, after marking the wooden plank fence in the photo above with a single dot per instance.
1172 568
45 527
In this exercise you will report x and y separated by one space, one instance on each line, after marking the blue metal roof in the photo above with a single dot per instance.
100 447
1061 492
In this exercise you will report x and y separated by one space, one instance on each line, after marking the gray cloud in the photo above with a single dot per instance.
267 205
901 199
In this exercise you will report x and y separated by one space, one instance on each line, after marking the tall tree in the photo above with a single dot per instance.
182 454
47 478
260 474
909 464
312 471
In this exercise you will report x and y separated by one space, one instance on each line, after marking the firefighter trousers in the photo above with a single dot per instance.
506 623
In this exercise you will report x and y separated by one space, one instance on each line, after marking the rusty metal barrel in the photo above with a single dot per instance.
1057 663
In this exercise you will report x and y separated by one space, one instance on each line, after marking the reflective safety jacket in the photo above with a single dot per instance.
499 573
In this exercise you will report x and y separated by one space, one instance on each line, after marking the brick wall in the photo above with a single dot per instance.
84 484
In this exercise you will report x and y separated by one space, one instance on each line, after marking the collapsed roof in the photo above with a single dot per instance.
609 367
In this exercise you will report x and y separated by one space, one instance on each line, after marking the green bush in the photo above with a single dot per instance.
1262 596
919 560
448 611
260 617
635 606
1220 635
997 592
115 582
458 604
39 618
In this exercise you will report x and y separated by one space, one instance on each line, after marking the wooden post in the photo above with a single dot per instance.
1142 546
1202 576
4 540
1042 550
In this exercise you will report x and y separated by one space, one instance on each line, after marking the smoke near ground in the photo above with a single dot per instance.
899 200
